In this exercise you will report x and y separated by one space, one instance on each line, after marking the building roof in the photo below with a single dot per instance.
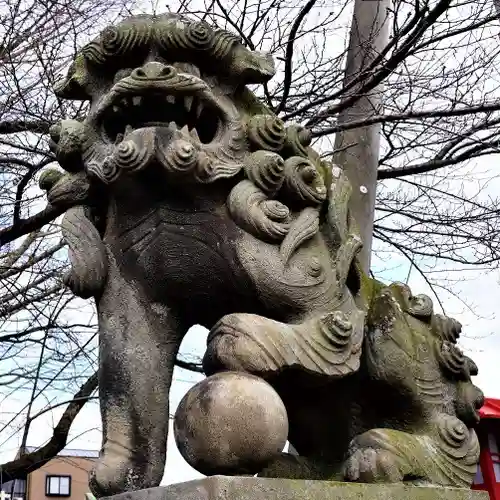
491 408
68 452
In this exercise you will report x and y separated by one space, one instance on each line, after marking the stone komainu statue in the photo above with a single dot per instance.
189 202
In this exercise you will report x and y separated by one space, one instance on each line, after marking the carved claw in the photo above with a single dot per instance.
372 466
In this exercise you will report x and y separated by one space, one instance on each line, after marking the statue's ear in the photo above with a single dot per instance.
251 66
74 85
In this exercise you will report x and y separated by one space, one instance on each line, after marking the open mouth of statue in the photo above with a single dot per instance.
131 111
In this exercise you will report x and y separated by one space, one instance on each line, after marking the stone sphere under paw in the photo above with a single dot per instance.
231 423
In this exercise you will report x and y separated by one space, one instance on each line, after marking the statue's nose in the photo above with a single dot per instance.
153 71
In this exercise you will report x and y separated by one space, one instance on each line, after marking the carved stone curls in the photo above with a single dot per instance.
189 202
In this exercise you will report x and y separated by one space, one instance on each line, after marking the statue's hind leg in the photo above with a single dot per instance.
139 341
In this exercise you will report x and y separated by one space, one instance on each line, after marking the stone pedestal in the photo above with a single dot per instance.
251 488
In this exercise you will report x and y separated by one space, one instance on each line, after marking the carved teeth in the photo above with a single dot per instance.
116 109
171 99
137 100
199 109
128 129
188 102
185 130
194 135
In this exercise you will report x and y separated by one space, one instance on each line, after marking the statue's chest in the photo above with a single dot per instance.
169 232
182 252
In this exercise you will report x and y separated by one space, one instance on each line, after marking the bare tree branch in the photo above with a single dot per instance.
17 469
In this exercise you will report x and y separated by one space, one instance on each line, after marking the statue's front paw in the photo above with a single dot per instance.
120 469
328 345
368 465
233 345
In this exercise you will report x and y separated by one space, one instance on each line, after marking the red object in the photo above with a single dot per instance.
488 431
490 409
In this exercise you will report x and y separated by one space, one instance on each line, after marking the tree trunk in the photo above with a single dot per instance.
357 150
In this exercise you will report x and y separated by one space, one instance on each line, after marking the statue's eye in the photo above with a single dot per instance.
121 74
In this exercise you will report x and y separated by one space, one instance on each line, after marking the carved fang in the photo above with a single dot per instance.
194 134
199 109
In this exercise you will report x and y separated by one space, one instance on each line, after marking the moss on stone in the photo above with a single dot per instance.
49 178
251 105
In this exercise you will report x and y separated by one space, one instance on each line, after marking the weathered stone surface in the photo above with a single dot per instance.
232 422
189 202
248 488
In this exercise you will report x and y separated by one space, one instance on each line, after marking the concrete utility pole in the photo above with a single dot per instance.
358 149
